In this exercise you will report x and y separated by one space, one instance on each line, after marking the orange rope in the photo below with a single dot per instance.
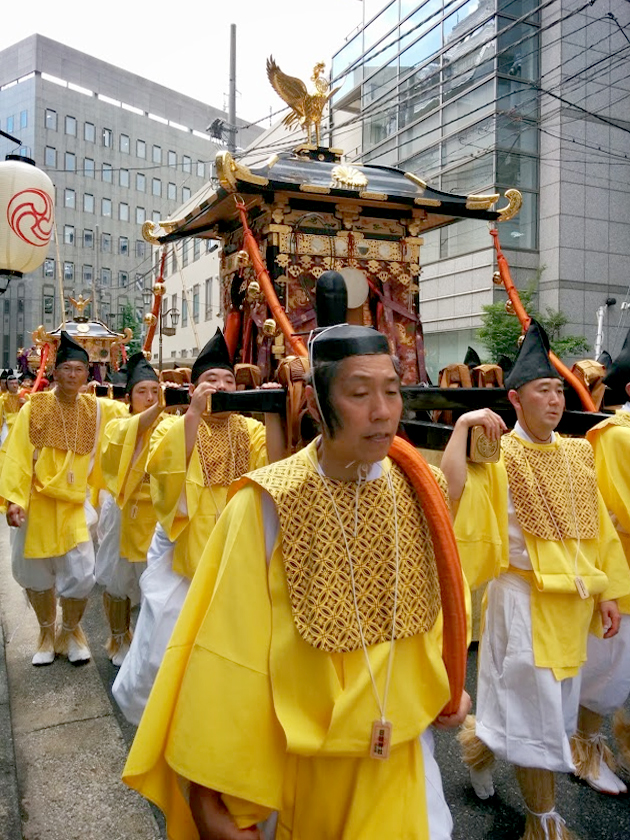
454 645
504 270
42 368
262 275
157 302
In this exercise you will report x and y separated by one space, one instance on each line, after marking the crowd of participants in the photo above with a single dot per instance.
285 669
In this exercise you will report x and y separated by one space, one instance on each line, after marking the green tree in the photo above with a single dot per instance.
129 318
500 332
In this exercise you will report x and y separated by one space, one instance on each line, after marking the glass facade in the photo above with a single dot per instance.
444 90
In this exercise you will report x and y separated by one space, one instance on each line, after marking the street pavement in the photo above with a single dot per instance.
63 744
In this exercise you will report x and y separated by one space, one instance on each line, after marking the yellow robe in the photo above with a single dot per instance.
560 618
55 508
185 507
123 465
611 443
243 705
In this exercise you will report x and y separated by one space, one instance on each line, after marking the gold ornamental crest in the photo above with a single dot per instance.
349 177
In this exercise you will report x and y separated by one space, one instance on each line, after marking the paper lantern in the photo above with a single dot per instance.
26 217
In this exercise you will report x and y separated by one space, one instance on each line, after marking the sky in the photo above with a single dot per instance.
185 46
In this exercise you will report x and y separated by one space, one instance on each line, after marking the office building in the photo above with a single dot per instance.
482 95
121 150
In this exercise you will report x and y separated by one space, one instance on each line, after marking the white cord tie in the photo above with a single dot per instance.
548 819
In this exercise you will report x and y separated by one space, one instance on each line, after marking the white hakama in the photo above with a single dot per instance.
606 674
163 594
524 714
119 576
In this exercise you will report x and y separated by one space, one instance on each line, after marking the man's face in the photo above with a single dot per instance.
366 397
220 379
71 377
541 403
143 395
13 385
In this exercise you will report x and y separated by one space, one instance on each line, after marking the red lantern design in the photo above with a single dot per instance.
26 216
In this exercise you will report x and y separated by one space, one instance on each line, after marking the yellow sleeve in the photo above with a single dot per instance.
169 473
612 454
612 559
122 463
258 444
481 523
17 467
226 739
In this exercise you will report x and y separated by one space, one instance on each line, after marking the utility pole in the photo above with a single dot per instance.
232 98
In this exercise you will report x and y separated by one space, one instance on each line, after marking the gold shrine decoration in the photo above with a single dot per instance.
515 200
306 108
80 305
348 177
230 170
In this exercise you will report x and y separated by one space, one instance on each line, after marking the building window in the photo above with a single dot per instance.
141 182
123 177
88 167
23 122
172 159
155 217
107 173
186 164
123 144
156 187
185 193
184 312
195 305
10 124
171 192
184 253
106 276
140 248
69 199
88 238
89 132
68 234
141 149
87 274
49 307
88 203
71 126
106 243
140 215
208 298
50 157
157 154
123 211
49 268
196 249
68 271
201 169
123 279
106 207
108 137
51 119
123 245
174 302
70 161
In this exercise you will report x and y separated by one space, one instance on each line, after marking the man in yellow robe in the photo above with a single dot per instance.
10 404
127 519
280 690
535 526
45 476
192 462
606 674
